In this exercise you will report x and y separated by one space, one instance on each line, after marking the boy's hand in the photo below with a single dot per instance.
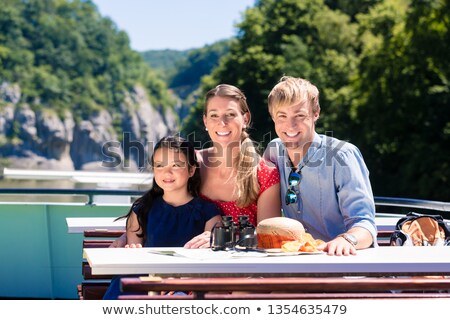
338 247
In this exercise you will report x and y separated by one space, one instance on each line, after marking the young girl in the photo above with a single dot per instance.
170 213
233 175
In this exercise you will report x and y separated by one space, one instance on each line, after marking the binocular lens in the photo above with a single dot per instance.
229 234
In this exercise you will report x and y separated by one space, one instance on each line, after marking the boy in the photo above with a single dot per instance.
324 181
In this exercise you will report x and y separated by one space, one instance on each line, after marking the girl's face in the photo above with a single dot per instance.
171 170
224 120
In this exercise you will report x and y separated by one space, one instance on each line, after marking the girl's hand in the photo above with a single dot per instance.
133 245
200 241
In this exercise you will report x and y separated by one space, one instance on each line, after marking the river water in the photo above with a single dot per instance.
55 184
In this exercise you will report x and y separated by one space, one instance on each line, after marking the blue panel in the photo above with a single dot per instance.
40 259
25 270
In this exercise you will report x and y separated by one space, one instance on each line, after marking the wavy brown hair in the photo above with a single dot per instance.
247 186
289 91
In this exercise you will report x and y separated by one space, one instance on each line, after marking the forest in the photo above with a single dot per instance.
66 56
382 68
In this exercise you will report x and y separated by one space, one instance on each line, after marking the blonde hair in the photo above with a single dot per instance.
247 185
290 91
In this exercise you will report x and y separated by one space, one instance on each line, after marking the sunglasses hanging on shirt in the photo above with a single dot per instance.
293 181
295 178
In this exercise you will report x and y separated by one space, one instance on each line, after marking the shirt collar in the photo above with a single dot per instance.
313 148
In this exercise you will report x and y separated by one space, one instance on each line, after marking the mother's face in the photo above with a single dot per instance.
224 120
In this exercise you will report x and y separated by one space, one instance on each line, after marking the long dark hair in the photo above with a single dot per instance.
143 204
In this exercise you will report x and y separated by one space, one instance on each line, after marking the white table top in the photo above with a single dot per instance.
78 225
374 261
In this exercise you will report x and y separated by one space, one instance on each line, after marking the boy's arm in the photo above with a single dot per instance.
356 198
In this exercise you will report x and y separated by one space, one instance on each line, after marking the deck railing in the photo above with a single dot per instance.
408 203
89 193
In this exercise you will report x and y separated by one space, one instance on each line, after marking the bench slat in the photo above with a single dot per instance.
102 233
290 296
296 284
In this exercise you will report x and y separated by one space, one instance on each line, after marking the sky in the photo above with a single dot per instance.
174 24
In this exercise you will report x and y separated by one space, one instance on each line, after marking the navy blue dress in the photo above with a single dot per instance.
170 226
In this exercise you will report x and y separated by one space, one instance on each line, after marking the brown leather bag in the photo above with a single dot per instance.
421 230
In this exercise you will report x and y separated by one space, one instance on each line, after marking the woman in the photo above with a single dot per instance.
233 174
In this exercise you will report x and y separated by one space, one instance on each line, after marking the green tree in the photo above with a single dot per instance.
65 55
403 92
299 38
382 70
351 7
164 61
198 62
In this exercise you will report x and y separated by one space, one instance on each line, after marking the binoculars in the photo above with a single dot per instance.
228 234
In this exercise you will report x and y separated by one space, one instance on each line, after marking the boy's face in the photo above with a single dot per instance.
294 125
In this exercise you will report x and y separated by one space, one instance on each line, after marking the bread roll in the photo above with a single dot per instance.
272 232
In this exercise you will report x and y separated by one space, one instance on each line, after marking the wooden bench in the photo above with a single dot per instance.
288 288
291 288
383 237
93 287
289 296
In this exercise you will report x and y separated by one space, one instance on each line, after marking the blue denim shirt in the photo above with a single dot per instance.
334 193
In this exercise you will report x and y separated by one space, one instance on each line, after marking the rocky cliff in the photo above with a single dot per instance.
39 138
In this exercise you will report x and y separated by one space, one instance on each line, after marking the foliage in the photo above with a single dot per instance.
199 62
165 61
351 7
183 70
381 66
382 70
65 55
286 37
403 103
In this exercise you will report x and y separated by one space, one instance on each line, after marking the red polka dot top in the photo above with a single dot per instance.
267 177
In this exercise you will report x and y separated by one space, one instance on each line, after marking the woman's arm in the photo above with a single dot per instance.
269 203
202 240
211 222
